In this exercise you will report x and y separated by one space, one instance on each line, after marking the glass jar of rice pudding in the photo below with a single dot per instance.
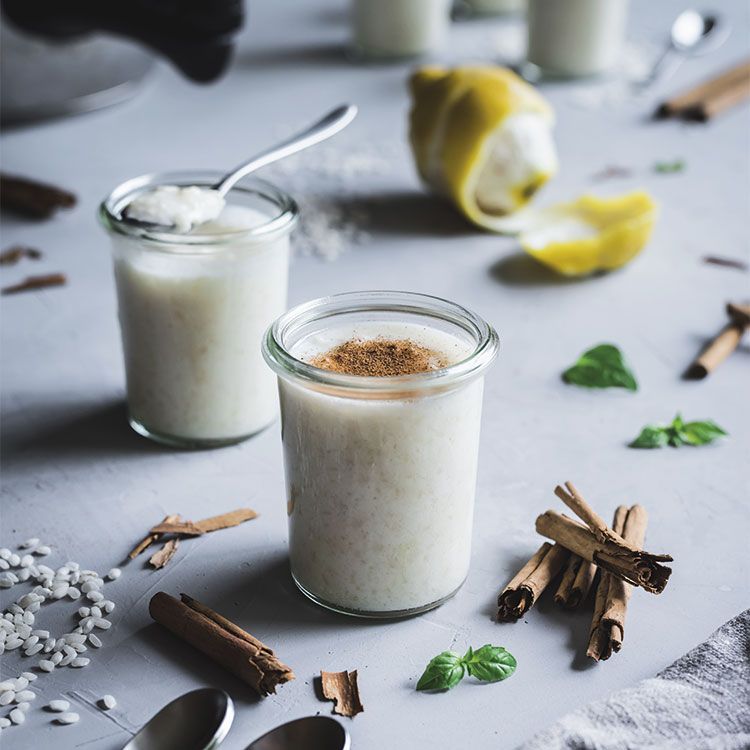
381 399
193 309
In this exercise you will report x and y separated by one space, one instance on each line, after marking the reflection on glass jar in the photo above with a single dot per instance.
381 470
193 309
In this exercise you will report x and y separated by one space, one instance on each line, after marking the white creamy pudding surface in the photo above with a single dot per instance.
178 207
381 491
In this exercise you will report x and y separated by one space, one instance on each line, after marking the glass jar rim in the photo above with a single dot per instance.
111 208
290 367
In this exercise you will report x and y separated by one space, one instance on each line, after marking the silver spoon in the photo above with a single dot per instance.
310 733
335 121
198 720
692 33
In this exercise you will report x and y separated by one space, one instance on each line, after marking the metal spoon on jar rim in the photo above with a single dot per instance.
148 216
308 733
692 34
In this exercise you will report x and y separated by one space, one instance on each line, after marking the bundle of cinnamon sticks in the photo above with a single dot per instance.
585 552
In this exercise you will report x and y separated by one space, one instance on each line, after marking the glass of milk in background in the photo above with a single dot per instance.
571 38
399 28
193 309
380 471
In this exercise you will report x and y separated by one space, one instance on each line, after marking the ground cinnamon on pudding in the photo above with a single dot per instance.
379 357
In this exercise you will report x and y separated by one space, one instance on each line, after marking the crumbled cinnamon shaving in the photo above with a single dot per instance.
165 554
379 357
342 689
12 255
150 538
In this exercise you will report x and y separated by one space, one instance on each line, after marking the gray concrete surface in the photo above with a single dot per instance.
76 476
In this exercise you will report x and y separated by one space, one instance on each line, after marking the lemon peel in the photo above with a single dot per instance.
591 234
481 136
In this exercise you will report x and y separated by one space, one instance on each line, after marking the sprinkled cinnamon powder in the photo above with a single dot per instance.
379 357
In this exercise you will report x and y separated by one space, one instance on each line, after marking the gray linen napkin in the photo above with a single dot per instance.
701 702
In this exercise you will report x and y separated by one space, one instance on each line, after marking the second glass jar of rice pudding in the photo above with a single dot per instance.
381 401
194 304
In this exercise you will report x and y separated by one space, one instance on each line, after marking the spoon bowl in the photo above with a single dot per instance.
309 733
198 720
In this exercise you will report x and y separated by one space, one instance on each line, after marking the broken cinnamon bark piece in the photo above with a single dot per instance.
342 689
12 255
165 554
526 586
226 520
181 528
30 283
150 538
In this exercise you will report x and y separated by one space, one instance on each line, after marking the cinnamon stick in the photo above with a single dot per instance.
526 586
612 594
36 282
576 583
222 641
723 344
150 538
711 97
612 553
31 198
342 689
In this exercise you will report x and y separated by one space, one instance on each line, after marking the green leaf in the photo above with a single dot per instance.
601 367
490 663
701 433
444 672
670 167
678 433
652 436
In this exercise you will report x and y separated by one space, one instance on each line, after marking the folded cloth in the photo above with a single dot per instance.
701 702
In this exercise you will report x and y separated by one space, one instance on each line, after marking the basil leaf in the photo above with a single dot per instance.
490 663
444 672
601 367
678 433
670 167
651 437
701 433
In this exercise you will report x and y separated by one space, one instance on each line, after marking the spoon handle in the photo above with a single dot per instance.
329 125
665 67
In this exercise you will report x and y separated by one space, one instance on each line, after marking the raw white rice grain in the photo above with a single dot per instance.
25 695
5 553
14 560
30 641
27 560
73 593
7 698
28 617
57 657
87 625
33 542
84 612
30 676
96 612
107 702
4 565
95 596
94 640
4 723
58 705
72 638
23 631
68 718
80 661
24 574
102 624
6 685
79 647
13 643
108 606
72 565
113 575
33 650
41 634
5 581
23 706
66 660
42 550
46 665
17 716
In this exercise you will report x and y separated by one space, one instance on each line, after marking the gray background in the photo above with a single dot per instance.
76 476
